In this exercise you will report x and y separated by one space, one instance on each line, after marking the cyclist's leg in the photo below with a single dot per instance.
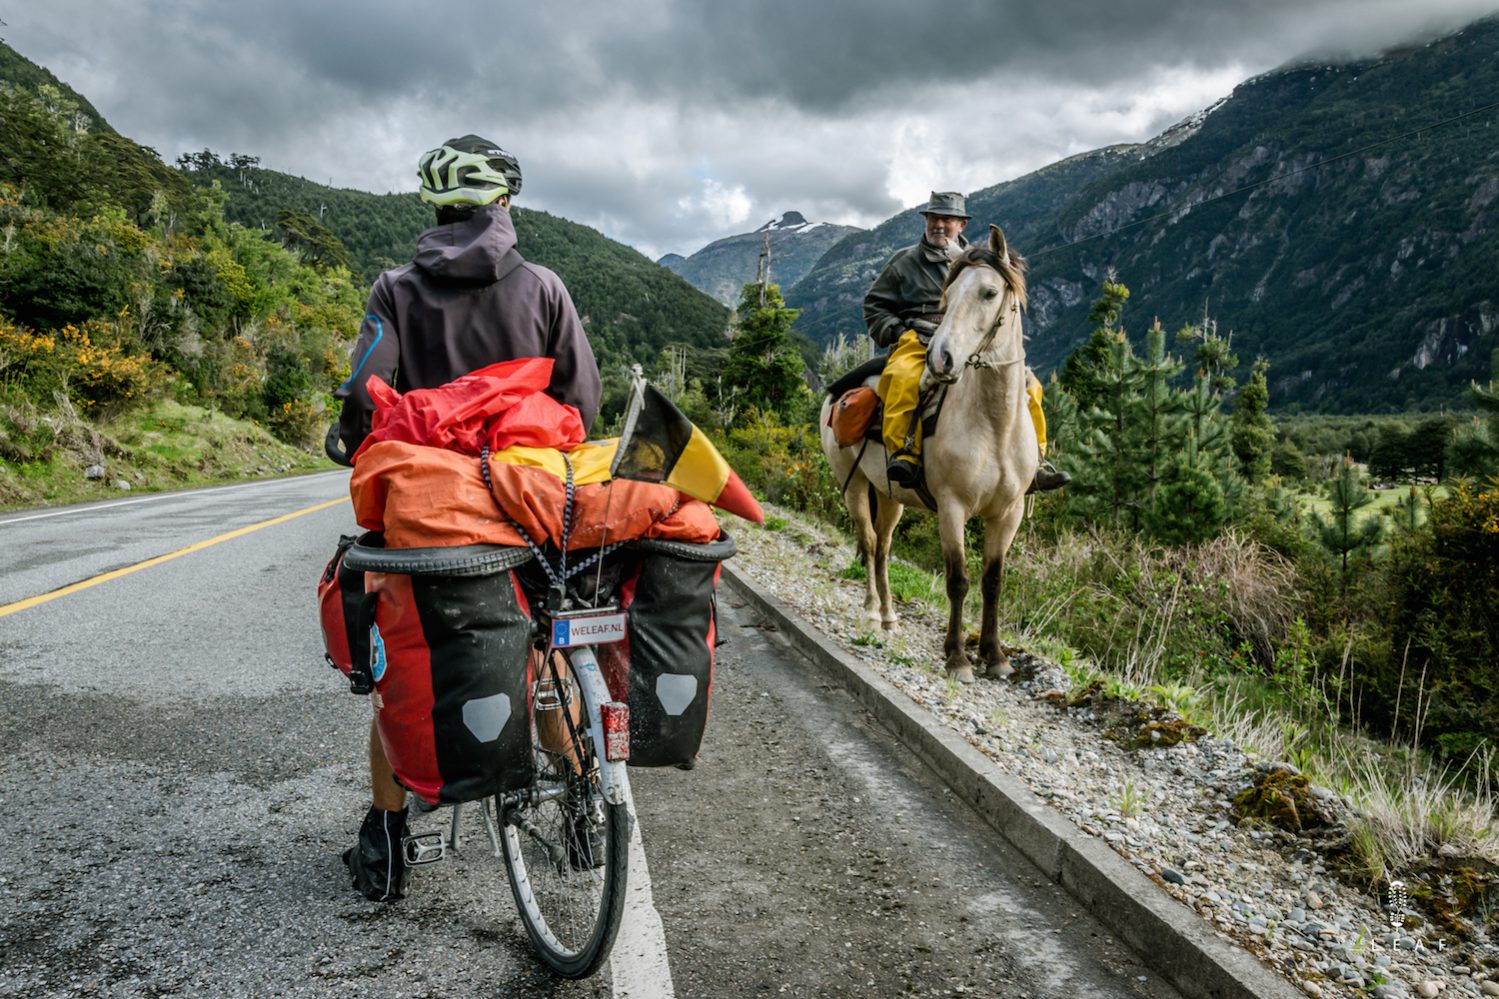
385 793
376 862
552 728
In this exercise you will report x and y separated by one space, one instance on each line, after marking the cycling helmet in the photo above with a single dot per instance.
467 170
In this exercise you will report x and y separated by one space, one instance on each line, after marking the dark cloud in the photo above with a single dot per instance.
670 123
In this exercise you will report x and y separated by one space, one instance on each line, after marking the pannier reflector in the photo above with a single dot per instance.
616 718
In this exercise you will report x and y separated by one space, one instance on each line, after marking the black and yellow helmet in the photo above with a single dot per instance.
468 170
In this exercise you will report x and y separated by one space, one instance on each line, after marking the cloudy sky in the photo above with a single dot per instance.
669 123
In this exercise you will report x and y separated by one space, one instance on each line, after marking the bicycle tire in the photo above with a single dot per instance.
570 914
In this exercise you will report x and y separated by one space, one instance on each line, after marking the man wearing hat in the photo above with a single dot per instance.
468 299
902 310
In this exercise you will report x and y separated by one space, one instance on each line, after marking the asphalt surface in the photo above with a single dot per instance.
180 772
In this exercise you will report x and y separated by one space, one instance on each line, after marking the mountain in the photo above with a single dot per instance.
725 266
630 307
1305 212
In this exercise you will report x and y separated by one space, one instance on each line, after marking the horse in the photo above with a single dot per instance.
979 461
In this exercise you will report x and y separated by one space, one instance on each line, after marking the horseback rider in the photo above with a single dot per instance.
902 310
466 300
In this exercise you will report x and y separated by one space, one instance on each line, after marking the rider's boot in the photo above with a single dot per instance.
1048 478
377 862
904 470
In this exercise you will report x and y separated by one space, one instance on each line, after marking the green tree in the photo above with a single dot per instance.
1253 433
311 240
1157 405
764 366
1473 448
1342 532
1079 372
1190 506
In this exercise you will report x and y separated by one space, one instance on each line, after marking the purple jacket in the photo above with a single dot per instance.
468 299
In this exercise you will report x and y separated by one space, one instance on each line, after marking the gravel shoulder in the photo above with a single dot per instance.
1165 810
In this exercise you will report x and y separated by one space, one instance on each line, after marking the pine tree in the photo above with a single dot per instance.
1342 532
1157 404
1078 373
764 367
1253 433
1113 472
1474 448
1409 513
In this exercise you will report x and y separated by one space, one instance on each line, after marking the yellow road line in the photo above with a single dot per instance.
21 605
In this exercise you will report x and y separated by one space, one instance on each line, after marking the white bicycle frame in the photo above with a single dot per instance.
612 775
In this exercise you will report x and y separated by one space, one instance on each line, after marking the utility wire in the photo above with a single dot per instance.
1269 180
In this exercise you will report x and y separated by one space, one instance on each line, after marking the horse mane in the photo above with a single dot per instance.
1011 267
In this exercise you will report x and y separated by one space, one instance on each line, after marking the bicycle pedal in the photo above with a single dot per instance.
424 848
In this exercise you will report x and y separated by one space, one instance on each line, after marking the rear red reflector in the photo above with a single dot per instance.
616 719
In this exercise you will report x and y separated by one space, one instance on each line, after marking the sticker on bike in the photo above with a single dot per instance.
587 629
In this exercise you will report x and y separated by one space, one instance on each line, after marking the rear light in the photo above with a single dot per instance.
616 718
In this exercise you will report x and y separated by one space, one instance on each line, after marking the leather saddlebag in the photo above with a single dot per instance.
851 414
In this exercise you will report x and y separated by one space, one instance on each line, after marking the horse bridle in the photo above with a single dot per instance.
975 359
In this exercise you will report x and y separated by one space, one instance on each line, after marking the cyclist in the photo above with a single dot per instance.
902 310
467 299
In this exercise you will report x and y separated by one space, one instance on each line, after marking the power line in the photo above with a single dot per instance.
1269 180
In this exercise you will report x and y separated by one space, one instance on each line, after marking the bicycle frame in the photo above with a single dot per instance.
612 774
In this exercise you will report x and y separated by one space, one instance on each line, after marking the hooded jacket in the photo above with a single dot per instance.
910 287
468 299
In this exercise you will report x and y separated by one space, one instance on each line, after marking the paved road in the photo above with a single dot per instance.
179 773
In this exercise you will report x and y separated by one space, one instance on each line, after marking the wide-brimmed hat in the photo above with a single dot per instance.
947 203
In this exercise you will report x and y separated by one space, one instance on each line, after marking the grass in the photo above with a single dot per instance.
1316 501
906 581
160 447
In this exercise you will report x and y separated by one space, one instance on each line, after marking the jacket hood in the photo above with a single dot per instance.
470 251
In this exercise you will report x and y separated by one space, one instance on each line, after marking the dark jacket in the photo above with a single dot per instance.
468 299
910 287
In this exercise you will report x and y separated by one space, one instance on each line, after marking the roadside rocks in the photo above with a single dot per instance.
1243 844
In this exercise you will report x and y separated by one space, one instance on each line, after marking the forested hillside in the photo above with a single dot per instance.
1365 273
125 282
632 308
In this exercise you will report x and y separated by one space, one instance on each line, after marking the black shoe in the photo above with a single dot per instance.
585 843
903 473
378 866
1048 478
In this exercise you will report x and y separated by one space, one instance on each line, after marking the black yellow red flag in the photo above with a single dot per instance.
660 444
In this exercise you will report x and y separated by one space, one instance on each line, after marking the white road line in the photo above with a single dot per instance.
93 507
638 966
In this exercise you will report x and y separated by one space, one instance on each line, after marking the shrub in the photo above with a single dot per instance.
1444 602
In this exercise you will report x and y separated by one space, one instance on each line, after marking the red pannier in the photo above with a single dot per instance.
449 661
345 621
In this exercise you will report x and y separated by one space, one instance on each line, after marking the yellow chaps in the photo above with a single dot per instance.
900 386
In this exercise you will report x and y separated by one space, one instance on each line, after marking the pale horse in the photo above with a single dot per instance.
980 460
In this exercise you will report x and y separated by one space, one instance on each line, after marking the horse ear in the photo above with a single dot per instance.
997 242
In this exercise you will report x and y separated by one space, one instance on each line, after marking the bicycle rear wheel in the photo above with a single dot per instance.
566 849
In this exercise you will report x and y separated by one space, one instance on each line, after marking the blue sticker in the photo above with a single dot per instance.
377 653
562 633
